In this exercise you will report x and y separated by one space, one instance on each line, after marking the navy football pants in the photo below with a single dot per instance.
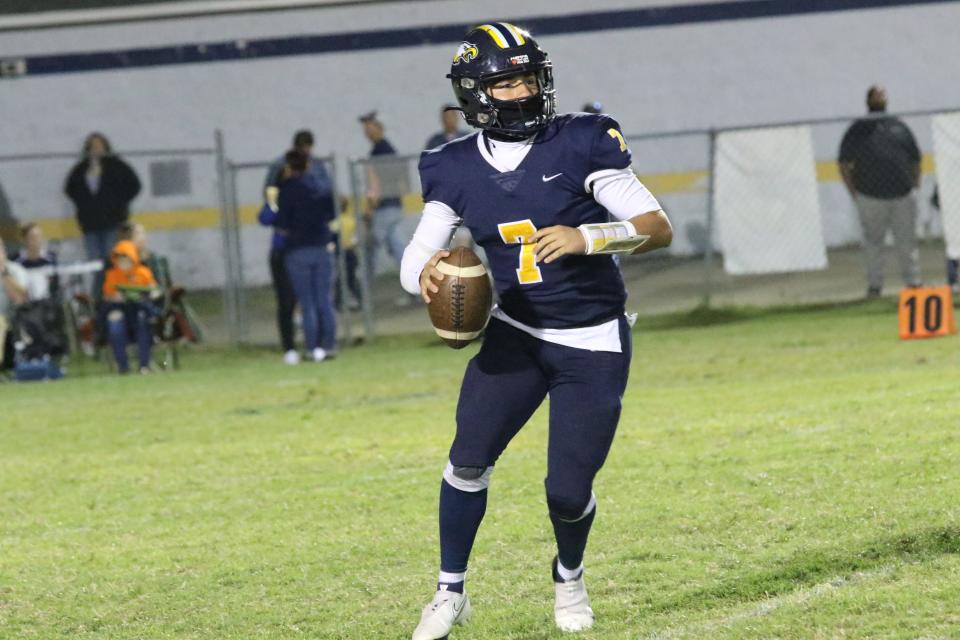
506 382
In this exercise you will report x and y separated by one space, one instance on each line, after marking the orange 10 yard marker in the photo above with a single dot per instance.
926 312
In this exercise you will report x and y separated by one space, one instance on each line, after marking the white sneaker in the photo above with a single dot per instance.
448 608
291 357
571 610
319 355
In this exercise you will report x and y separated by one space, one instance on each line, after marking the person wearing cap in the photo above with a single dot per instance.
383 208
450 121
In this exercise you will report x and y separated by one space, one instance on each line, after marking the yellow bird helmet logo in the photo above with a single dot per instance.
465 53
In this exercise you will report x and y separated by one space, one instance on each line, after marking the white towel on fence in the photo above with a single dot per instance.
946 149
766 202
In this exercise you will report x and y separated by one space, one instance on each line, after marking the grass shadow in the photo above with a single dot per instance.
701 316
812 567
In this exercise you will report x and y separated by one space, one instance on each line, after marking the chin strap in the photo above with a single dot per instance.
611 237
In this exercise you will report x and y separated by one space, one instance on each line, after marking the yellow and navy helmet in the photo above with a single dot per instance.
494 51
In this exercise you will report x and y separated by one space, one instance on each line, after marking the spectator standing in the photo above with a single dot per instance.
303 142
282 288
13 293
383 208
880 166
101 187
450 120
304 213
953 261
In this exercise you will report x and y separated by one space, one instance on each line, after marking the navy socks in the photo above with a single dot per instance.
572 538
461 513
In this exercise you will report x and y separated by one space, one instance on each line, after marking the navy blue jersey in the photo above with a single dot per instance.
504 209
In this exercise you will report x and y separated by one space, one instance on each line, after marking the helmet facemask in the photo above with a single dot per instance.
480 62
523 117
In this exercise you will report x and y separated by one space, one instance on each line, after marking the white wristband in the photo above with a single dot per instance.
611 237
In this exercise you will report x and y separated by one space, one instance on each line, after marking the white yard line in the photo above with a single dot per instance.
768 606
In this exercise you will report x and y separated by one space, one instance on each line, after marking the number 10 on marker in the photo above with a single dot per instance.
926 312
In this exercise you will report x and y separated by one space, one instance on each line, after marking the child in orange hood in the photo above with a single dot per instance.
128 318
126 270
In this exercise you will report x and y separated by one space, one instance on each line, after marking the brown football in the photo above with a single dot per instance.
460 310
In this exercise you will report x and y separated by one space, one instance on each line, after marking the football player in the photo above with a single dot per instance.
534 188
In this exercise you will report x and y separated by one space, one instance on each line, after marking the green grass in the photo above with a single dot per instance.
777 474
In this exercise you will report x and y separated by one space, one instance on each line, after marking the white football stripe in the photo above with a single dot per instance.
461 272
457 335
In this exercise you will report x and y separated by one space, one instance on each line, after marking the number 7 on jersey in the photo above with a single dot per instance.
520 232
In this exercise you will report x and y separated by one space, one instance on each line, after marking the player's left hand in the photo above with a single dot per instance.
557 241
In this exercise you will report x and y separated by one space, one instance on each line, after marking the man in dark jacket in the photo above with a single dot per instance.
880 166
101 187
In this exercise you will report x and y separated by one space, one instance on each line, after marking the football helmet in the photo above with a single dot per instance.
492 52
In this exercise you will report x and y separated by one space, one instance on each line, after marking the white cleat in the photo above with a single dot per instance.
291 357
571 610
319 355
448 608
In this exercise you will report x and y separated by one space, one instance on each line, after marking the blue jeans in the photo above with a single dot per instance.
386 230
99 244
126 321
310 270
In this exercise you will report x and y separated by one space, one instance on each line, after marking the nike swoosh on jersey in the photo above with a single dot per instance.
546 179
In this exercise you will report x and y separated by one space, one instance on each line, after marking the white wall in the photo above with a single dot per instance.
699 75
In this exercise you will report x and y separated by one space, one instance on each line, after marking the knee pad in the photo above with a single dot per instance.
115 316
470 479
570 510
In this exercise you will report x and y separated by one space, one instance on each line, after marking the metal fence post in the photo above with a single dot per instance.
708 250
236 259
229 286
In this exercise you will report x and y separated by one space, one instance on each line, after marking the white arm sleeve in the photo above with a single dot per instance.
621 193
434 231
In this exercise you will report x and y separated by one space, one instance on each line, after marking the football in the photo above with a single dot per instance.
460 310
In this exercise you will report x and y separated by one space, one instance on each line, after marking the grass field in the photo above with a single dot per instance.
783 474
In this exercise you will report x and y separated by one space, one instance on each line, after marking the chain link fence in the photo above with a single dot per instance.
386 196
255 279
180 205
762 215
792 225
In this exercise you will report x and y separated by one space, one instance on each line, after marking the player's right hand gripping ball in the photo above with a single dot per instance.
460 310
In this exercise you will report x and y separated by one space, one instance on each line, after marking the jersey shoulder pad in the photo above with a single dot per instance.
439 168
598 138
